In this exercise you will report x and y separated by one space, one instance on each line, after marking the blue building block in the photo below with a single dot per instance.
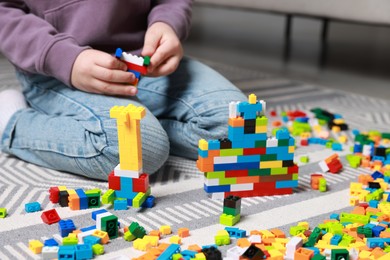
337 147
378 158
248 158
188 253
375 242
97 212
82 198
120 204
85 229
249 111
235 232
235 133
209 246
377 230
282 134
355 132
373 203
84 251
66 227
286 184
219 188
171 250
302 119
91 240
377 175
118 53
50 242
357 148
149 202
335 240
203 153
66 252
137 74
214 145
335 216
32 207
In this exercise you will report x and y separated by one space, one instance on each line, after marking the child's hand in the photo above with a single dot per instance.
164 48
98 72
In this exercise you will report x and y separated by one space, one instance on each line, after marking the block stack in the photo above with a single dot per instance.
127 180
231 211
248 163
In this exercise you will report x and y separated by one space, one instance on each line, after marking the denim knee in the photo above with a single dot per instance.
155 152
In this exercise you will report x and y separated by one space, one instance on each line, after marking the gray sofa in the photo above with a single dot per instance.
374 12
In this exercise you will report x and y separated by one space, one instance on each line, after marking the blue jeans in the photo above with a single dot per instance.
69 130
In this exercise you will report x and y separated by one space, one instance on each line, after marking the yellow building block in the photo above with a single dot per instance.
280 247
62 188
203 145
142 244
275 253
354 201
327 237
355 188
252 99
305 135
364 254
129 135
152 239
165 230
283 241
266 234
343 139
271 164
304 224
200 256
175 240
35 246
291 149
384 207
103 235
261 129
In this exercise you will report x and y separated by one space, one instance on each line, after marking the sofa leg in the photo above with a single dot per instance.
324 43
287 38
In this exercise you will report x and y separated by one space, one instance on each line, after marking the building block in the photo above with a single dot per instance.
49 252
247 152
84 251
32 207
98 249
66 227
3 212
35 246
50 216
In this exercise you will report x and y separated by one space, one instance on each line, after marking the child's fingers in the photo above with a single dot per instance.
113 89
161 55
107 61
112 75
167 67
151 43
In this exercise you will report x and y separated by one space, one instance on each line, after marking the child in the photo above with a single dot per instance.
62 51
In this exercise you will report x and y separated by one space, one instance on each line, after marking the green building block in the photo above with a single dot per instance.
304 159
140 198
354 160
128 236
322 185
314 237
231 152
215 175
283 142
3 212
110 225
232 211
222 239
261 121
93 198
69 241
339 254
318 257
296 230
137 230
279 171
227 181
260 144
146 60
108 197
177 257
98 249
354 218
229 220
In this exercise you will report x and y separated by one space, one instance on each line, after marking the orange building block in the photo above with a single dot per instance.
278 233
183 232
194 248
243 242
303 254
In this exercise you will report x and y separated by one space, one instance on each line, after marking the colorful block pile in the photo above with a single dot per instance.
248 163
128 181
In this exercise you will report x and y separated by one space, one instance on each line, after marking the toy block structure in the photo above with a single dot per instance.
231 211
127 180
75 199
248 163
331 164
135 64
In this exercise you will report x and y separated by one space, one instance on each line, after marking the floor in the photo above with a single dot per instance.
358 57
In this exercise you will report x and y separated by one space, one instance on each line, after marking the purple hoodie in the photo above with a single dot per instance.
46 36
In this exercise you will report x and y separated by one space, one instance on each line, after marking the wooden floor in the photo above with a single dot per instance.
358 57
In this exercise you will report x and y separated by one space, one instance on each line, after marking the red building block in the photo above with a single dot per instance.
54 194
50 216
114 182
141 184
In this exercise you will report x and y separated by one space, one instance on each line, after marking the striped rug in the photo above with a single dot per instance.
181 201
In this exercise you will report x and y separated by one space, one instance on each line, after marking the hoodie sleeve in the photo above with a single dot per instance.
176 13
34 45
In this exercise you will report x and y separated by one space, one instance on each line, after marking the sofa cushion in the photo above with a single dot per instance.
365 11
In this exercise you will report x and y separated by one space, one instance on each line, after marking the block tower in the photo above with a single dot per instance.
135 64
248 163
127 180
